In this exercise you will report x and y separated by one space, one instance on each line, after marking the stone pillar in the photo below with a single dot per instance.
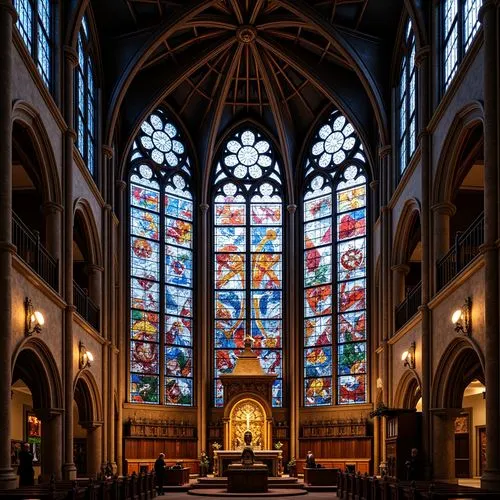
94 448
52 212
399 273
203 328
489 18
7 16
443 437
70 61
52 452
423 63
442 213
95 286
294 335
120 319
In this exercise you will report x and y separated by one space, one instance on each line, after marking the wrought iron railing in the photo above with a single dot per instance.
85 307
34 253
409 306
463 251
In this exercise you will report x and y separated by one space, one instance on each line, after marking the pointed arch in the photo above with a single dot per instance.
461 362
411 211
248 201
467 119
88 399
83 210
408 391
29 118
34 363
334 267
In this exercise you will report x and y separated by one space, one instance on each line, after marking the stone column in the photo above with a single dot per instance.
70 61
7 16
442 213
489 18
94 448
51 442
294 334
423 64
95 273
120 319
52 212
443 437
399 273
203 329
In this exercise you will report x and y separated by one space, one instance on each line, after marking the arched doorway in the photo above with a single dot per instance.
36 404
458 411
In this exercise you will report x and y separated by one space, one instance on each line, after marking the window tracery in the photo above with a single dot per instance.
334 267
248 257
161 266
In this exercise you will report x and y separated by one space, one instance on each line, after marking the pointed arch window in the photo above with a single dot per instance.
161 265
248 257
34 23
407 100
460 23
334 266
86 99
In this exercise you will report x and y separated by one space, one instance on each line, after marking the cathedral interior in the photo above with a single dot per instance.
276 216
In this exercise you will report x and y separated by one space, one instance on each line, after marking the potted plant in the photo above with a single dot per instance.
204 464
292 467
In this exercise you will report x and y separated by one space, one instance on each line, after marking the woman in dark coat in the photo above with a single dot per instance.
160 472
25 469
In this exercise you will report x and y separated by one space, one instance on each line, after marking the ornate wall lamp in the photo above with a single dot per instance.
86 357
34 320
408 357
461 318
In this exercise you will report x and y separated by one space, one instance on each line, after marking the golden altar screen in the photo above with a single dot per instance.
248 414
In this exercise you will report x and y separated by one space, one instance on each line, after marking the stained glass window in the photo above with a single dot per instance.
34 23
334 266
407 100
248 257
460 25
161 266
86 99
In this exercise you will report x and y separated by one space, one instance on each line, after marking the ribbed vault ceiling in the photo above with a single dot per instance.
280 62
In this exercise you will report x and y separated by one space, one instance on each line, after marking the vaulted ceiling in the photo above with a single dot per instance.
215 62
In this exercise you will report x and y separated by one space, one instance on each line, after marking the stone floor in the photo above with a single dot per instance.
309 496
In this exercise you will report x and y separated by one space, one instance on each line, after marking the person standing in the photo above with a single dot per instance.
413 466
310 460
160 472
25 469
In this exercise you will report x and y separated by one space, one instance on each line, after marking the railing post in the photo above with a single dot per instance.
458 260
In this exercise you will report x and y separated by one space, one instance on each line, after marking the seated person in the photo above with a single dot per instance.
310 460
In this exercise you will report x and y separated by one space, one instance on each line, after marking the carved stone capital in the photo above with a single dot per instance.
52 208
444 208
422 54
204 208
384 151
291 209
401 269
70 55
121 185
108 151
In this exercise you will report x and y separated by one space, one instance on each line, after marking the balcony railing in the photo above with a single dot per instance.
33 252
409 306
85 307
464 250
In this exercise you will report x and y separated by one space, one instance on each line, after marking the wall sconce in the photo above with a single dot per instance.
408 357
461 318
86 357
34 319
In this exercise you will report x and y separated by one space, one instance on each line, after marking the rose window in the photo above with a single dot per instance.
248 155
333 142
161 142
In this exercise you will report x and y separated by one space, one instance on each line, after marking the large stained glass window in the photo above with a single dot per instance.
460 25
86 100
161 266
407 100
334 218
248 257
35 26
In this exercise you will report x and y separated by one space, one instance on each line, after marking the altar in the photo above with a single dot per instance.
272 458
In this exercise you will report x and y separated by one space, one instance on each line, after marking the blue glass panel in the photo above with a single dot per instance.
178 301
352 389
318 391
178 331
178 266
266 304
266 333
318 331
179 362
318 362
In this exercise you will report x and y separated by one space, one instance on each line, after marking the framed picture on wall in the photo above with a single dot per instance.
33 434
15 447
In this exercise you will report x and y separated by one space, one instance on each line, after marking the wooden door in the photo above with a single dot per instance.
462 446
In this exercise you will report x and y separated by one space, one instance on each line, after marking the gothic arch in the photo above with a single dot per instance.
83 210
88 399
408 392
465 120
287 174
29 118
34 363
411 210
461 362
